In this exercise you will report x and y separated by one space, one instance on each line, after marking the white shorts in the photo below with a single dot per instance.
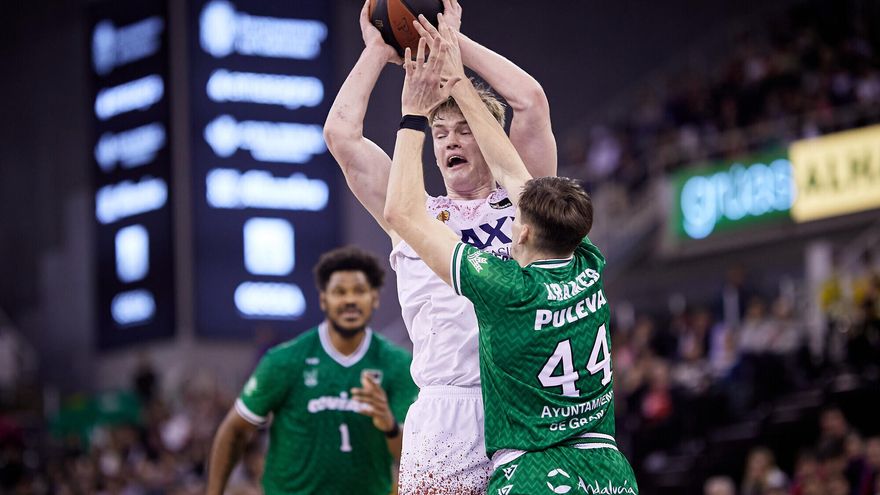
444 449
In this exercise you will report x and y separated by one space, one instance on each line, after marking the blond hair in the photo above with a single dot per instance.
492 102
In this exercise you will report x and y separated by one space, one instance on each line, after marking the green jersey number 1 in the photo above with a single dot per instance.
600 360
345 445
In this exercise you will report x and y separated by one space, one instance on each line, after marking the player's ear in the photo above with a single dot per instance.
375 293
525 234
322 299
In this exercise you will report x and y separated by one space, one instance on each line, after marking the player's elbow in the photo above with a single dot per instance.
333 134
338 134
531 98
394 214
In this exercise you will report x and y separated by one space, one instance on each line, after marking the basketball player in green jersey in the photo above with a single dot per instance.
334 395
543 318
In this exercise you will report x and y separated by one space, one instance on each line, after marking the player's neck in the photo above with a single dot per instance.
529 256
346 344
479 192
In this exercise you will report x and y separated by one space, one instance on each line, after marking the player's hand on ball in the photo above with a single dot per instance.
373 38
375 402
422 89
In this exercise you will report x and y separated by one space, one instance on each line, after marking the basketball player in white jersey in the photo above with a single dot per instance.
443 446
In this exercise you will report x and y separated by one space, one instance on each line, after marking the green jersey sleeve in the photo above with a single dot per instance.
483 278
587 249
267 388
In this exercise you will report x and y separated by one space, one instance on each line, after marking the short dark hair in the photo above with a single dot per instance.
348 258
559 210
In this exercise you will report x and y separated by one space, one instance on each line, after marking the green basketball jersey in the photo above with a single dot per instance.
545 360
318 442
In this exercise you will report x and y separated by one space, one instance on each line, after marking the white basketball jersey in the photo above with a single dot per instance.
441 324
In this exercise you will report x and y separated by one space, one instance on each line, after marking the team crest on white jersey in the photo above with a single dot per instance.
310 378
443 216
477 259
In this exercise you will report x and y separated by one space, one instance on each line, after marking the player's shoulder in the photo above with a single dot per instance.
467 211
288 349
480 259
590 253
482 274
389 349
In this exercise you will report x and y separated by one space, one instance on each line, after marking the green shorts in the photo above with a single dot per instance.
564 469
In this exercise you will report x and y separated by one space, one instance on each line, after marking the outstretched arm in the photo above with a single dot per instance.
505 163
404 207
364 164
502 157
530 129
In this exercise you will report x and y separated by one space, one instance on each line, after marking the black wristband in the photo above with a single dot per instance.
414 122
393 432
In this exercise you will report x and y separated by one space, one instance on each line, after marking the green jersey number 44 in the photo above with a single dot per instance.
600 360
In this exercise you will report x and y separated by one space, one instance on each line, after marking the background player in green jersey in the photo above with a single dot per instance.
545 359
335 394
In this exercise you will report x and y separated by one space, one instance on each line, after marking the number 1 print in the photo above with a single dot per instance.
345 446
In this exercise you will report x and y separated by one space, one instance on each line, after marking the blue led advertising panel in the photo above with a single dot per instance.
128 43
264 185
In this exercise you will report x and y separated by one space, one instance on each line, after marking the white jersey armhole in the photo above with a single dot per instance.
455 267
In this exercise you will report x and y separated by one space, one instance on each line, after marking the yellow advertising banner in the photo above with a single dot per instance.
836 174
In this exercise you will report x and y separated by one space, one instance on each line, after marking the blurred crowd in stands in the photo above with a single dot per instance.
677 375
842 462
693 371
813 71
134 442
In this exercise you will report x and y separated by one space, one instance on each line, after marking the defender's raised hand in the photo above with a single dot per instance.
422 90
453 67
452 14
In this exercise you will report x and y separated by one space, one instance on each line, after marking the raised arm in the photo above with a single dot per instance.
404 207
530 129
502 157
364 164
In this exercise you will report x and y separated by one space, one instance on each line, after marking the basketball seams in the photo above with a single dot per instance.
400 16
394 18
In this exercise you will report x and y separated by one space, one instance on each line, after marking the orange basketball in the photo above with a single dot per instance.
394 18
